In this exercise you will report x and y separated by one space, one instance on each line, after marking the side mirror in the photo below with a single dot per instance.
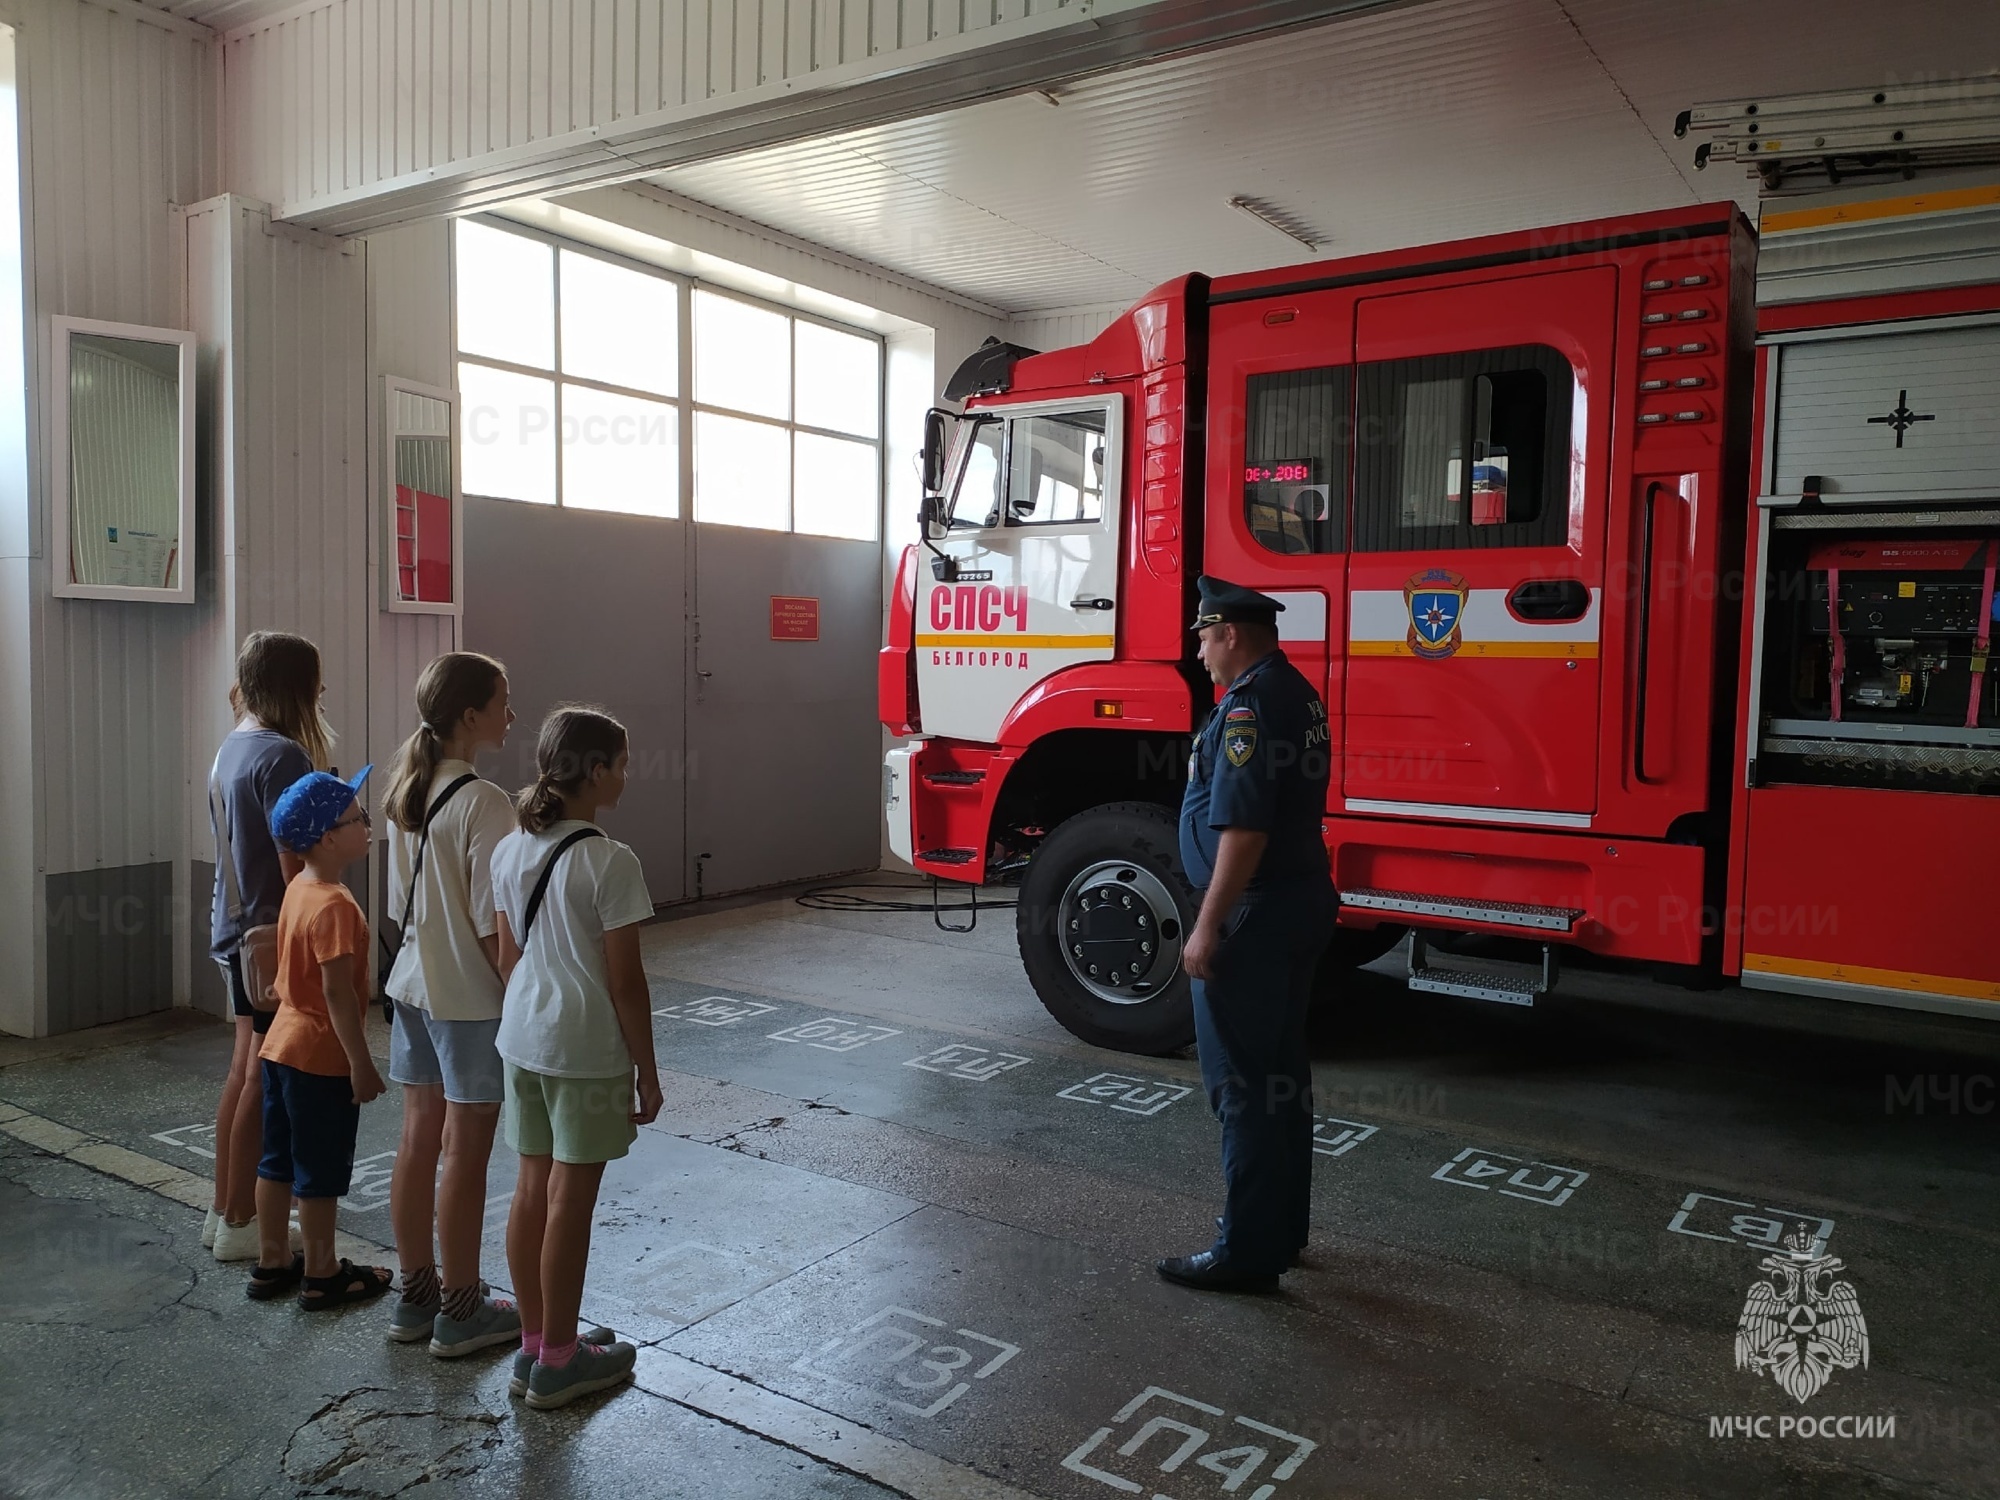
934 452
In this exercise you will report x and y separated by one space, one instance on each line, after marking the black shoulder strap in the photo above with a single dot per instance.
390 950
542 885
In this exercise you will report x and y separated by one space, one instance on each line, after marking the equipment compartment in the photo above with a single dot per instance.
1875 667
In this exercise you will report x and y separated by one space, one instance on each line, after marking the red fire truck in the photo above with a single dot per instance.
1650 602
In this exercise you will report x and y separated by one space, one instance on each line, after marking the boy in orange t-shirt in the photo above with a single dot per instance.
317 1069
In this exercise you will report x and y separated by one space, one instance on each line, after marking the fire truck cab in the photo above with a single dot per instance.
1503 489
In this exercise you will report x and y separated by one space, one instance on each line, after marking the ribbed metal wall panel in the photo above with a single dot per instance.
120 125
281 319
362 91
409 335
301 542
1062 327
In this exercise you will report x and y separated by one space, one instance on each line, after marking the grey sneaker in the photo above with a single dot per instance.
596 1367
410 1322
524 1362
494 1321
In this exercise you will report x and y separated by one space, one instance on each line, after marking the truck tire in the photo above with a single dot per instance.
1102 914
1349 949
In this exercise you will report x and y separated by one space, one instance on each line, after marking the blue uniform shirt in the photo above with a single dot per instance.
1261 762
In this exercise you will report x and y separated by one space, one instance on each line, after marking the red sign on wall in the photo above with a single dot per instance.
794 619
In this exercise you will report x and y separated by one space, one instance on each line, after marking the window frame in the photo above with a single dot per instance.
1113 407
1343 475
392 597
1105 496
1373 525
791 425
682 403
61 539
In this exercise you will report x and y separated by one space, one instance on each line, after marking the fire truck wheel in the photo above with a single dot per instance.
1350 948
1101 918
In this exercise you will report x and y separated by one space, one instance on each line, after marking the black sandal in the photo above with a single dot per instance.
351 1283
268 1282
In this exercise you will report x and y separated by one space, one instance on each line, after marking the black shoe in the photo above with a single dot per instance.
1291 1264
1205 1272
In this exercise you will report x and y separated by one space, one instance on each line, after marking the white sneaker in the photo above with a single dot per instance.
237 1241
208 1227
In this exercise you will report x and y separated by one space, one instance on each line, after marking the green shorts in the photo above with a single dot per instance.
575 1120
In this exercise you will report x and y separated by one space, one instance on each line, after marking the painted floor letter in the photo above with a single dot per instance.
1131 1459
905 1358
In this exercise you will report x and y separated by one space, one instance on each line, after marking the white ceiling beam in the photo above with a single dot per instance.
311 160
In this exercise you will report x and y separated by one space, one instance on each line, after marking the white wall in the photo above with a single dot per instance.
357 93
356 115
409 335
21 955
118 124
1062 327
280 315
109 712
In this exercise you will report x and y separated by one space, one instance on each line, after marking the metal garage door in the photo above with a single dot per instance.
783 744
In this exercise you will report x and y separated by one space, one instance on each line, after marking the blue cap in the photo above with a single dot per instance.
311 805
1225 603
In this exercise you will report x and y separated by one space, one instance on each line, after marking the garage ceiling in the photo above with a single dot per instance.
1400 127
224 15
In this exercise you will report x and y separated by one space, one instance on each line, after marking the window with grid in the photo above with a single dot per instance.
787 421
569 373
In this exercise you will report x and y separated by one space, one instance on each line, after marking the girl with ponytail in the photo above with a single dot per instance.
445 992
577 1038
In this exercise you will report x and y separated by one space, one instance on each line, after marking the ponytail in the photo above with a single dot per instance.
453 685
574 742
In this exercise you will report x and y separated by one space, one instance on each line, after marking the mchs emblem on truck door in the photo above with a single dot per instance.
1436 601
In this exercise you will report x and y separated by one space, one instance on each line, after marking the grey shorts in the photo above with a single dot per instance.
458 1054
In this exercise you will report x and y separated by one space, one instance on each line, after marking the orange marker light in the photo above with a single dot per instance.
1110 708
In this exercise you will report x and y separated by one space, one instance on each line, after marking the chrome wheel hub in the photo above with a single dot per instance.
1120 932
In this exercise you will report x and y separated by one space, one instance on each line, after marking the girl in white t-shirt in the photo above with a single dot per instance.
445 986
576 1036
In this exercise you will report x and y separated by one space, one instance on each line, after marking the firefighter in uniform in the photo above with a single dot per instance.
1250 842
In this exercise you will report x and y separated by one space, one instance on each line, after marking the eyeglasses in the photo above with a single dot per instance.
360 816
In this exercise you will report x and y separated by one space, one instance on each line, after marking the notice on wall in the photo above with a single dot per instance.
794 618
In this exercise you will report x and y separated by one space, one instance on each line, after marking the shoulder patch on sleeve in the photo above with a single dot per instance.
1239 735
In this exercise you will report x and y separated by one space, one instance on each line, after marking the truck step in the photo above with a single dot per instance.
1465 909
949 856
1509 985
953 778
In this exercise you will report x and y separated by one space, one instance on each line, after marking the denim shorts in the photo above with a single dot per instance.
310 1122
458 1054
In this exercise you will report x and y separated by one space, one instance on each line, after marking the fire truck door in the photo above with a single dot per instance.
1475 598
1034 534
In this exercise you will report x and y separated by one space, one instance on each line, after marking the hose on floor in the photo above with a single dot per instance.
851 896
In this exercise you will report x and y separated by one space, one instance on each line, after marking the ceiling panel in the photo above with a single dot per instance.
225 15
1422 123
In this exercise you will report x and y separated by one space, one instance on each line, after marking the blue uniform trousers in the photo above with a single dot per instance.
1250 1027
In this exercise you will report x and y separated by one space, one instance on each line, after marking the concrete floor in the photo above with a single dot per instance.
894 1231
